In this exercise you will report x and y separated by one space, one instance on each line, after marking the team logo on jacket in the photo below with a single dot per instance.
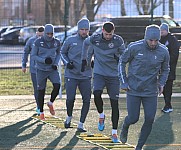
111 45
41 43
55 44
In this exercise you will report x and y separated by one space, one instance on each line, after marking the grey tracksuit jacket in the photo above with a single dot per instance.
28 50
148 69
42 50
106 53
71 51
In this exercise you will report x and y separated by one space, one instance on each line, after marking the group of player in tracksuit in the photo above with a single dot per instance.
147 74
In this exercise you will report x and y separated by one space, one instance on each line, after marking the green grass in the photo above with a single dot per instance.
15 82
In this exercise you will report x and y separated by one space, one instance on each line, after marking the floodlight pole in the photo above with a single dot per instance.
163 7
151 11
22 12
66 13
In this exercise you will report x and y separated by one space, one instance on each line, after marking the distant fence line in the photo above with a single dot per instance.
10 60
15 62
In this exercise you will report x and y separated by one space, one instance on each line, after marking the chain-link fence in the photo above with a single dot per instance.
33 12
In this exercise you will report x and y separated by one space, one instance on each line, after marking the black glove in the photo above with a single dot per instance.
70 65
84 63
55 67
92 64
48 60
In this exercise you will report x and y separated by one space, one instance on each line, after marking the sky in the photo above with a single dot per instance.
112 8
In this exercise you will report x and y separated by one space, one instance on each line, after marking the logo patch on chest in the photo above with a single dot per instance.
111 45
42 43
55 44
140 54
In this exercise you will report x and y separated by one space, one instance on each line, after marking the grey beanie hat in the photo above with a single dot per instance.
152 32
49 28
83 24
164 26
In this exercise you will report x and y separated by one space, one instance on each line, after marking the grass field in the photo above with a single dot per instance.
15 82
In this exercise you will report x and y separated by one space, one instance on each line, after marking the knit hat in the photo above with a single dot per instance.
152 32
48 29
164 26
83 24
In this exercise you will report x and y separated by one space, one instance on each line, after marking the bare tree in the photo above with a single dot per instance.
123 10
144 6
91 5
54 7
55 10
79 9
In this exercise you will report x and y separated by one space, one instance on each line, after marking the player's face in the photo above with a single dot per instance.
83 32
152 43
49 34
39 34
163 33
107 36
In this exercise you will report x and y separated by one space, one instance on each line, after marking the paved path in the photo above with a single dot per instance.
18 131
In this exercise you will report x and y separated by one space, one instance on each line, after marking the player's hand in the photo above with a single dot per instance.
24 70
160 90
55 67
70 65
48 60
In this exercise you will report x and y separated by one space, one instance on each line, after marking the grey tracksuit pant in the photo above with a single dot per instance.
133 108
84 86
34 81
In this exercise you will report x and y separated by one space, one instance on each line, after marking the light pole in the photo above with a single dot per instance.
152 11
163 7
22 12
66 13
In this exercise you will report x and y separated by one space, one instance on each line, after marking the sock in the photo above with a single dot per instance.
37 109
41 112
68 119
101 115
114 131
81 125
50 103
